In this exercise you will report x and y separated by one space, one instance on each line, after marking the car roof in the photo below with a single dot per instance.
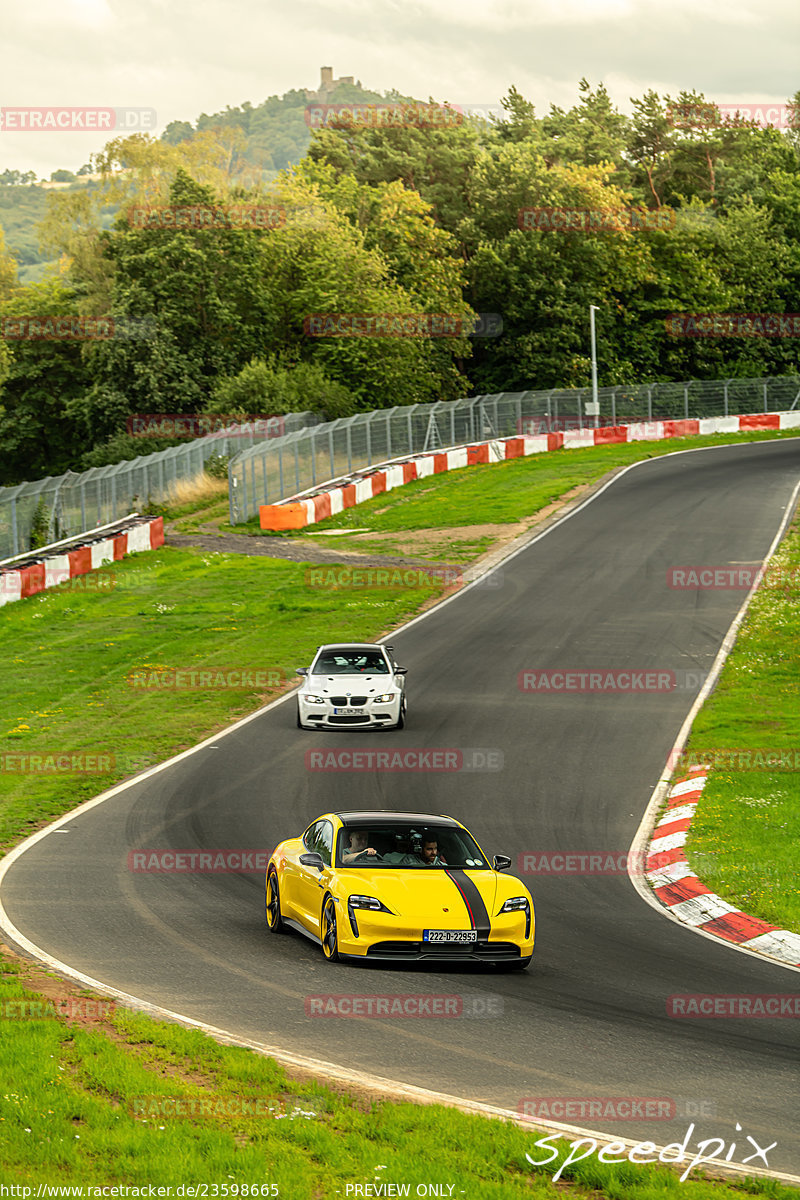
361 816
351 646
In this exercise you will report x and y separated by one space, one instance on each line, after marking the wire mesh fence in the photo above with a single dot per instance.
60 506
307 458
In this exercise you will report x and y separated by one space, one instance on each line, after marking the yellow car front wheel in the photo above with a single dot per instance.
273 904
330 938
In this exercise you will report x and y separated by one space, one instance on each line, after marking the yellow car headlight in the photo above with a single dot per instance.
369 902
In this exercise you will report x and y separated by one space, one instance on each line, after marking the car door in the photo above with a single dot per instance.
310 883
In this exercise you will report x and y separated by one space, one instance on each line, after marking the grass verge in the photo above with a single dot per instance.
117 1098
744 837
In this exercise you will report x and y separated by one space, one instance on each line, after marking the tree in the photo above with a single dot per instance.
651 143
591 133
37 434
266 389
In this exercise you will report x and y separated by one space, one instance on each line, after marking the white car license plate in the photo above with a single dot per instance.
449 935
349 712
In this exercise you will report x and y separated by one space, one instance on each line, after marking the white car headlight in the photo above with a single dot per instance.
516 904
386 698
314 699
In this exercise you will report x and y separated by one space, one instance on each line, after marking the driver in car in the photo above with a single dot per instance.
430 853
358 846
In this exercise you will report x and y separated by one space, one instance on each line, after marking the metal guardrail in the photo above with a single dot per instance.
78 502
308 458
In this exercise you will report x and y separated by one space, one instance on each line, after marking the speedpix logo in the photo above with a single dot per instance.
76 120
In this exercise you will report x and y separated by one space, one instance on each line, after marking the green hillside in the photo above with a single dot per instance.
274 134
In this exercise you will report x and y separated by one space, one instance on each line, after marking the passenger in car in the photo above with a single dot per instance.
430 853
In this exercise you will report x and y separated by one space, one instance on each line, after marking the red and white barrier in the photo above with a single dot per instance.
18 582
688 898
296 514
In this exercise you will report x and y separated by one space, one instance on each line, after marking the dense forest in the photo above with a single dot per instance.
400 209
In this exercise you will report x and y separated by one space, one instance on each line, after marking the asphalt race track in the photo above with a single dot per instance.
589 1017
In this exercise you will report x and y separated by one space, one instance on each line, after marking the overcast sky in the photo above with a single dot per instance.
182 59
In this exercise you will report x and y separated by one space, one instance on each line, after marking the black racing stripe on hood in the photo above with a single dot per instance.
479 917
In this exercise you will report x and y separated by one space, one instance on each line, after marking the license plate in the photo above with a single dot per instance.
349 712
449 935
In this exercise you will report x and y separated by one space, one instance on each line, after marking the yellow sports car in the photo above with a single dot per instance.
399 886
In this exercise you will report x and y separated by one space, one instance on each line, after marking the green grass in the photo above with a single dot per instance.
66 1113
96 1107
744 837
75 663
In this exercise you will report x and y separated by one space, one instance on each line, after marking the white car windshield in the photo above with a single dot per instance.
414 846
350 662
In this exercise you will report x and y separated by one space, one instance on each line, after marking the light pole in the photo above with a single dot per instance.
595 402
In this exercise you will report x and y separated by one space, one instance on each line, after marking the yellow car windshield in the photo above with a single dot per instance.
412 846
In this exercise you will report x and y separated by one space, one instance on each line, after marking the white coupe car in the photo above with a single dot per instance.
352 684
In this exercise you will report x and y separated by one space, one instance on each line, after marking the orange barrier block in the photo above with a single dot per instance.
282 516
606 435
439 463
156 535
760 421
681 428
121 543
477 454
80 561
322 506
555 441
515 447
409 472
348 495
32 579
378 483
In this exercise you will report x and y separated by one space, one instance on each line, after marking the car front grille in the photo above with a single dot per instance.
352 701
478 950
348 720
